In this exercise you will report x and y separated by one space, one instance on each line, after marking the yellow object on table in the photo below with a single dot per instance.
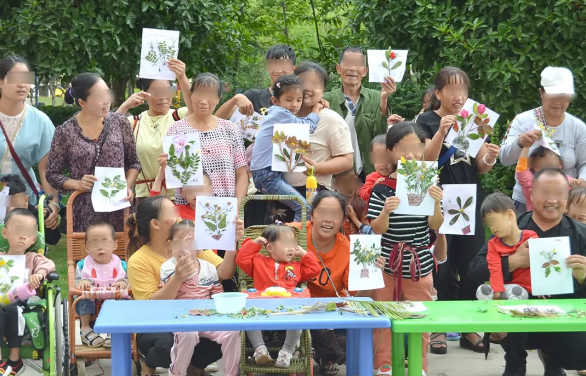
276 291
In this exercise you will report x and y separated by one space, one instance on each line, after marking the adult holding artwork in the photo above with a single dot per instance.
149 231
331 146
365 110
458 167
222 147
26 133
559 350
567 131
93 137
152 125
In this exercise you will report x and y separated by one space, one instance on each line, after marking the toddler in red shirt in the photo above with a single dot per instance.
277 269
382 168
190 192
499 214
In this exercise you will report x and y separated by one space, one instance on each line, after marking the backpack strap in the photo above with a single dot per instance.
136 119
176 115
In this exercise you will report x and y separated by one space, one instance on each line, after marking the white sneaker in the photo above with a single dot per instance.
212 367
262 357
284 359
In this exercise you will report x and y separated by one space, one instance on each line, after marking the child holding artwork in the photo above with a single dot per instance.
100 268
20 229
189 192
277 269
540 158
577 204
406 239
201 284
287 99
381 167
498 213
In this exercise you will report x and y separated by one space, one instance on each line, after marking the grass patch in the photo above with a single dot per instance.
58 253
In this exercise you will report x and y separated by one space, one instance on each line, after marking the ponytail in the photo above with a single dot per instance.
139 224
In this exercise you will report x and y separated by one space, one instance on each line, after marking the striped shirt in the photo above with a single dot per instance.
201 285
413 230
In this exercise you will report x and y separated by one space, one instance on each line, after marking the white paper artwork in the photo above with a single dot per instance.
549 274
386 63
474 124
364 274
184 164
285 157
110 190
214 222
459 204
413 181
158 47
13 272
248 124
4 200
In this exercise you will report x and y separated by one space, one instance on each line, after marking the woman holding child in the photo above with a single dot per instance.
149 232
567 131
452 283
93 137
331 147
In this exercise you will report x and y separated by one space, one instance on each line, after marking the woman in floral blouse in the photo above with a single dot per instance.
92 137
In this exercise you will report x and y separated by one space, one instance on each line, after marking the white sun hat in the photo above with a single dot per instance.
557 81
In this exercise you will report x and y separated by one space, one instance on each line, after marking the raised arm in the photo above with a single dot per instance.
515 140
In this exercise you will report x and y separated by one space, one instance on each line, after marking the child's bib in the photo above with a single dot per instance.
103 275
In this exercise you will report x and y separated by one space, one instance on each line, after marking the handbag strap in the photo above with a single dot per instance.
18 162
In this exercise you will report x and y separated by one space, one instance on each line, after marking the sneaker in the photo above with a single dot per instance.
262 357
8 370
90 338
212 367
284 359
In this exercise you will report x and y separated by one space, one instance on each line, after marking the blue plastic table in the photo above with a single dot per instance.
123 317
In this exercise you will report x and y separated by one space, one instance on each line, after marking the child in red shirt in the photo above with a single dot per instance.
277 269
190 192
499 214
382 168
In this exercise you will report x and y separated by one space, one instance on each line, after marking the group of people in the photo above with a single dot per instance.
356 142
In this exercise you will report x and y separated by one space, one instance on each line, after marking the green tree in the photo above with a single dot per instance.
62 38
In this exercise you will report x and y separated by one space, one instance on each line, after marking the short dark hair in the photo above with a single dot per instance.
446 76
351 49
497 202
309 66
8 62
381 139
329 194
542 151
97 224
21 212
272 232
400 130
358 204
281 51
207 80
285 83
14 183
429 91
178 226
145 83
548 172
577 195
139 224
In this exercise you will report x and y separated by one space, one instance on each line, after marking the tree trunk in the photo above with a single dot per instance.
119 88
285 20
52 91
130 88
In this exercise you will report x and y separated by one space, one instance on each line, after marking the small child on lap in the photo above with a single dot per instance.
499 214
276 270
101 268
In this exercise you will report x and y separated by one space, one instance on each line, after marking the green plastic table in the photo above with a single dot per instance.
465 317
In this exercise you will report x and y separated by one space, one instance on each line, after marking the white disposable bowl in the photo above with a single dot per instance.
229 302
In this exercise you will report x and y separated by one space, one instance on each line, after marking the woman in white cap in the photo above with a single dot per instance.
568 132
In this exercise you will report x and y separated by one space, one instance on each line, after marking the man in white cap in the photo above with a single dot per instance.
550 120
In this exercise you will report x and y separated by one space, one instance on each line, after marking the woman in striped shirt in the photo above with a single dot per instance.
406 238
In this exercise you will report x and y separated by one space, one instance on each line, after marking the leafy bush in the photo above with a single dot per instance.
59 114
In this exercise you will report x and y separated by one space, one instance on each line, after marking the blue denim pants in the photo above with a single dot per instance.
270 182
85 306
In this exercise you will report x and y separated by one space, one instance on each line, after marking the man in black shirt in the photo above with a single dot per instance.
549 193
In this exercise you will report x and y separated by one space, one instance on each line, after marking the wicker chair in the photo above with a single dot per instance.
301 364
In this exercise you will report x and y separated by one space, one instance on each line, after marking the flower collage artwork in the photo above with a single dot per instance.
158 47
549 274
413 181
290 143
459 205
184 165
214 222
364 274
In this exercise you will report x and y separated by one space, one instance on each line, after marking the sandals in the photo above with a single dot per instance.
467 344
108 342
437 346
262 357
329 369
91 339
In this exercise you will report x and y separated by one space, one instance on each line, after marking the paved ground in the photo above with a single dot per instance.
457 362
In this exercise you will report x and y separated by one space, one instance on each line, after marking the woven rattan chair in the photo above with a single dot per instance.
301 364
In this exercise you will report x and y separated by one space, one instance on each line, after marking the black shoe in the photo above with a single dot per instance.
515 371
551 369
